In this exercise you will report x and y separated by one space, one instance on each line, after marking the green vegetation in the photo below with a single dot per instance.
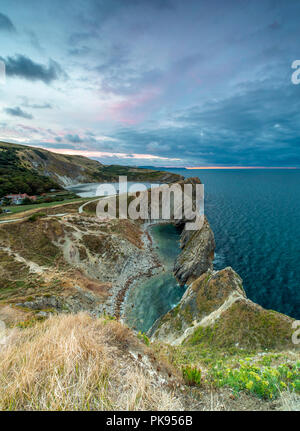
265 382
36 216
34 241
143 337
15 178
133 174
192 376
261 329
263 374
51 198
21 208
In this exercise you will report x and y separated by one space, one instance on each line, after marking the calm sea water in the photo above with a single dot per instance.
255 216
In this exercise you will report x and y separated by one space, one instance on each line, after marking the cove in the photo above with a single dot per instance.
149 300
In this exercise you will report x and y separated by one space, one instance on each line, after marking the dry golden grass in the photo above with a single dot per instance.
289 401
75 362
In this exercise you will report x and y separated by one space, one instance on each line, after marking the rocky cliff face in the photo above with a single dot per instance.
215 312
197 246
197 254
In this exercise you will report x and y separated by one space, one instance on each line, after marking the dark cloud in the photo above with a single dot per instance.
79 37
40 106
256 127
35 41
6 24
23 67
97 13
103 10
18 112
156 4
82 50
119 76
57 145
75 139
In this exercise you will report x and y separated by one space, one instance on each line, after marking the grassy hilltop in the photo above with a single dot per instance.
34 170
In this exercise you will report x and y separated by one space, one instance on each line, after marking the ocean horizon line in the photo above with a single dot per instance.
241 167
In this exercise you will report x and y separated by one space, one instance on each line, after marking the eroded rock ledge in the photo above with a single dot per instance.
215 312
197 254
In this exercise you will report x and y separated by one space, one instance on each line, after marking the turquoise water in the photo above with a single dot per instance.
255 216
160 293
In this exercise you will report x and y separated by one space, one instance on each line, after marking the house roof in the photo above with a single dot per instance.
18 195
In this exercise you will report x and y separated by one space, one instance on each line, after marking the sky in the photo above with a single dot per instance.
153 82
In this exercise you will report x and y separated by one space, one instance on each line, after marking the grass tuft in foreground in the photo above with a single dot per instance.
75 362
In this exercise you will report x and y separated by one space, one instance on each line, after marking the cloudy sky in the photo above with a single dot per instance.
153 82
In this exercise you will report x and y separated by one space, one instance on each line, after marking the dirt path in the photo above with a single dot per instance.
24 218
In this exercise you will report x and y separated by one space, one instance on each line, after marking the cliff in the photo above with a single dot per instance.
197 246
197 254
67 170
215 312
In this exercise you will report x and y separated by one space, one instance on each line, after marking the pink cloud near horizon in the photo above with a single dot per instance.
90 153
